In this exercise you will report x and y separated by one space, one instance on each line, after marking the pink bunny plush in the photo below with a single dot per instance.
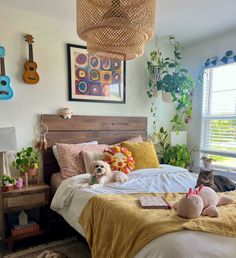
19 183
201 201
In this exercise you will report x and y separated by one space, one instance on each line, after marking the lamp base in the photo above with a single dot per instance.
4 164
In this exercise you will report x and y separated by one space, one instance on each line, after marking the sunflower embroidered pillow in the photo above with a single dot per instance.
119 159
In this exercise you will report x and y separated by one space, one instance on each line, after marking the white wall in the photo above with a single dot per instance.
51 93
194 58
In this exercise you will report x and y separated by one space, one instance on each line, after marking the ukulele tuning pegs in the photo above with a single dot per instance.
29 38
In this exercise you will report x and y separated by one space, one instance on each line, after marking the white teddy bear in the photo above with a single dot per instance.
66 113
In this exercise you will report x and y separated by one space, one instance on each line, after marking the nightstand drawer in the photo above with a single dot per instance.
24 200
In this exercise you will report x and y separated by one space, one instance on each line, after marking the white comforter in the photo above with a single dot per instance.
69 201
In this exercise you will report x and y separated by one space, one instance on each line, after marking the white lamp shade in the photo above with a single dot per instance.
8 139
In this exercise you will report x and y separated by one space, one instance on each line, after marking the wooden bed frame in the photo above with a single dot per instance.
104 129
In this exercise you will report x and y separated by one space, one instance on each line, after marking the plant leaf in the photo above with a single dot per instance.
229 53
224 59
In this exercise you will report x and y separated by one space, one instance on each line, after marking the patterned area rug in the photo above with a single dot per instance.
70 248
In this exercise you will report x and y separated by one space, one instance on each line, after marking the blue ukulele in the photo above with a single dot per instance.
6 91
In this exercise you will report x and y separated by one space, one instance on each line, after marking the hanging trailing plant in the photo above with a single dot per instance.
154 66
159 137
168 75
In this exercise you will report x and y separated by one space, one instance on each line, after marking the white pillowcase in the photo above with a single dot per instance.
55 152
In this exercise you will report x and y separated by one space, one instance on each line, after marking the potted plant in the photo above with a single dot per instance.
27 161
179 156
162 143
174 81
7 183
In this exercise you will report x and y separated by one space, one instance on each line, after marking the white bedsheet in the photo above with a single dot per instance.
69 202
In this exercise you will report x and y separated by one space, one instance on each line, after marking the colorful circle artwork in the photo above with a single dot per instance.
95 90
116 65
94 62
106 76
116 77
82 87
106 64
94 75
80 73
106 90
81 59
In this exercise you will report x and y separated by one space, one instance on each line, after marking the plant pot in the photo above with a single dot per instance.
178 138
167 97
32 171
156 92
31 175
26 180
7 188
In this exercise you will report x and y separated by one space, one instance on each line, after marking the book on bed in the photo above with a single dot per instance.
154 202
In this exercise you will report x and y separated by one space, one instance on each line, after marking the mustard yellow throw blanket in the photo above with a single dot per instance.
117 227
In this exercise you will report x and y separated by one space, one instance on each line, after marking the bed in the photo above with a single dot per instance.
69 201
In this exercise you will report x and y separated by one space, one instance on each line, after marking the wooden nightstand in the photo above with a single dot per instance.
35 196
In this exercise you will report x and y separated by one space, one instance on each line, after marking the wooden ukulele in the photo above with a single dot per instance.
30 75
6 91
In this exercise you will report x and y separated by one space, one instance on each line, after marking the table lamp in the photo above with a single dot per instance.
7 143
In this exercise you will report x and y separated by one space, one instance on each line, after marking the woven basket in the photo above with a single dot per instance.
24 200
116 29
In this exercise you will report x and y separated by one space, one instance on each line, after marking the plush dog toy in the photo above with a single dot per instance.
202 201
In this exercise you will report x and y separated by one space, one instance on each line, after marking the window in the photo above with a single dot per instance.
218 133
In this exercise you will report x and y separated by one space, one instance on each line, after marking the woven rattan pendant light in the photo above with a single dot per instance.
116 29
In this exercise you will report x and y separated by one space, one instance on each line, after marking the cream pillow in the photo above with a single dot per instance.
90 156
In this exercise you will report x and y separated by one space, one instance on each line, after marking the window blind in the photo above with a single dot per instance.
218 132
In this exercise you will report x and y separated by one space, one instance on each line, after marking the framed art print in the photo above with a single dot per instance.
93 78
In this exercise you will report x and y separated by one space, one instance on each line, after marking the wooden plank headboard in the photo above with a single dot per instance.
104 129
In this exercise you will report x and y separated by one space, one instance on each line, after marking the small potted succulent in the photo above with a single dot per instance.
27 161
7 183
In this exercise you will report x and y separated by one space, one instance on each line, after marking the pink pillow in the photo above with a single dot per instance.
71 160
134 139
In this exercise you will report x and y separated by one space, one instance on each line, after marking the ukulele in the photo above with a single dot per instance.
6 91
30 75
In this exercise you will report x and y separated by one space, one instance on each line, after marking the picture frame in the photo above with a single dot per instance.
95 79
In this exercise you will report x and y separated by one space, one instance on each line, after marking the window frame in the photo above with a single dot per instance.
205 117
